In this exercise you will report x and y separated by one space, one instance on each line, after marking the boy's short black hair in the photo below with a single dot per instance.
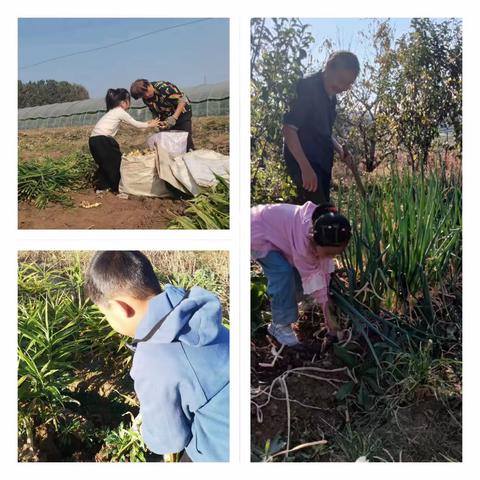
344 60
120 272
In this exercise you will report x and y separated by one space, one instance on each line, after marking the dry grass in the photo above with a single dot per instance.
169 264
166 262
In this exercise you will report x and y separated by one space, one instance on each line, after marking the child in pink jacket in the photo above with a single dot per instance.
295 245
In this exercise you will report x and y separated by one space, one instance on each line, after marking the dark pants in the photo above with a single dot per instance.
184 123
107 155
324 179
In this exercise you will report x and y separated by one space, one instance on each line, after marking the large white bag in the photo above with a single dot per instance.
165 164
203 165
139 176
173 141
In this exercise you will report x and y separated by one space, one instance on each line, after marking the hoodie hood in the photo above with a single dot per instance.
192 317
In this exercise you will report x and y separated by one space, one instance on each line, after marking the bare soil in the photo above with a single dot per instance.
111 213
425 430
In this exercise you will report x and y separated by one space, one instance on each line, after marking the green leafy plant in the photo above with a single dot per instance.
358 446
125 444
48 180
279 57
272 446
47 347
418 373
412 231
364 374
207 211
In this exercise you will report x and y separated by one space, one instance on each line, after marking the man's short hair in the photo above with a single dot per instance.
111 273
343 60
138 88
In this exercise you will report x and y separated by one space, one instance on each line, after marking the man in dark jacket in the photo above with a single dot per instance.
309 144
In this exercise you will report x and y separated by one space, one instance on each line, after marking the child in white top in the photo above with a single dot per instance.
103 147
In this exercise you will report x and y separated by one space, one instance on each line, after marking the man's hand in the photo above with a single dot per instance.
171 121
309 178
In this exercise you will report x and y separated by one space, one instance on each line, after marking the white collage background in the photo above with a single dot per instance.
236 240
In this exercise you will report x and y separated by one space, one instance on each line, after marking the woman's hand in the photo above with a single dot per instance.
309 178
154 123
171 121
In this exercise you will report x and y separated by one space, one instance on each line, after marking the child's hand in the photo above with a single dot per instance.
163 126
331 320
171 457
154 123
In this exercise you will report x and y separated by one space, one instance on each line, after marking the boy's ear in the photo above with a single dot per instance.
127 309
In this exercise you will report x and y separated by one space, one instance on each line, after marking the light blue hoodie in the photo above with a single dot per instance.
181 374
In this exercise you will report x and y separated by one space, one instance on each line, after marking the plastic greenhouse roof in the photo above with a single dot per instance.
196 94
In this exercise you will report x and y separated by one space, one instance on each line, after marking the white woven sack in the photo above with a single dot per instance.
139 176
173 141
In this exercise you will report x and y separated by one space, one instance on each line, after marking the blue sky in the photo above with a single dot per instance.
186 56
344 32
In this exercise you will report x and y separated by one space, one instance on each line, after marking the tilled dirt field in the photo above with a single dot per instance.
112 212
295 398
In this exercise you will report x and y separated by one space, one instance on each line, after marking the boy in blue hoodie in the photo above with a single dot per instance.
181 362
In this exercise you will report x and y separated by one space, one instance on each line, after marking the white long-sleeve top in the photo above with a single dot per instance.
109 123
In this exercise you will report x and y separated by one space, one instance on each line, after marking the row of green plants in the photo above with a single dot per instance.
406 247
67 353
50 180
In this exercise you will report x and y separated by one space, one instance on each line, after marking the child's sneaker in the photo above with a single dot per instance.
283 334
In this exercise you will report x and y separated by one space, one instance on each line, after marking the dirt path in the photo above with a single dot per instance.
112 213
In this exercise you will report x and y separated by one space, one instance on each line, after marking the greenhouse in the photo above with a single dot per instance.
206 100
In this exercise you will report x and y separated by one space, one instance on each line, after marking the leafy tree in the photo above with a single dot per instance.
44 92
279 58
361 119
426 86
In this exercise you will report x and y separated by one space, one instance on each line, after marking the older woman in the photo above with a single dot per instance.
166 102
